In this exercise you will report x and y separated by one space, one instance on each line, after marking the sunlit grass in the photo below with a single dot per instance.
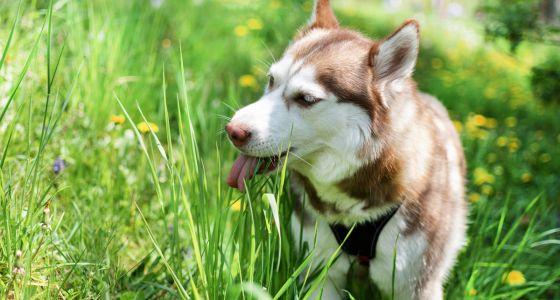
134 212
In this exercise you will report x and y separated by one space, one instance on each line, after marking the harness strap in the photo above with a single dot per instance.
363 239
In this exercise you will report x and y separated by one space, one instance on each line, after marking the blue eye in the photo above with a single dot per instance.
306 99
309 98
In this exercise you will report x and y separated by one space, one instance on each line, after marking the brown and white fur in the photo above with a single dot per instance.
363 140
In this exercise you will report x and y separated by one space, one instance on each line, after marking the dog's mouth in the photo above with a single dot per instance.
246 167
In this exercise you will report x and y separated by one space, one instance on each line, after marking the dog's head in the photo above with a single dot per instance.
329 93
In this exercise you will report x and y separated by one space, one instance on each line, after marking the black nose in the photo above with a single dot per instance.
239 134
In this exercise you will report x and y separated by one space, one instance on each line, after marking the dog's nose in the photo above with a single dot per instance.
238 134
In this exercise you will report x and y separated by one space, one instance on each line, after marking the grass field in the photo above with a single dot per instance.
95 205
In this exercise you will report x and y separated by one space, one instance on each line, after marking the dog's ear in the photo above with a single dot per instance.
395 56
323 16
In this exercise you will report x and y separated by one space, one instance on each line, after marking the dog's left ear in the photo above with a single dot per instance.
323 16
395 56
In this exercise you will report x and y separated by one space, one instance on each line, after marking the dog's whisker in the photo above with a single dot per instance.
269 52
224 117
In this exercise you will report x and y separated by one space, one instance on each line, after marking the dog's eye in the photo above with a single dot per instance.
270 81
306 99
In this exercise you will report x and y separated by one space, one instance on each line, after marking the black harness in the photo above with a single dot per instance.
363 239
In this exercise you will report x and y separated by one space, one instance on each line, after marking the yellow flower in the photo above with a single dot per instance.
473 292
514 144
236 206
491 123
514 278
275 4
144 127
487 189
526 177
499 170
248 81
474 126
545 157
254 24
241 30
511 121
166 43
474 197
481 176
117 119
502 141
479 120
539 134
458 126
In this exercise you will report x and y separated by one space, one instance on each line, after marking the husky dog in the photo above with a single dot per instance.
366 149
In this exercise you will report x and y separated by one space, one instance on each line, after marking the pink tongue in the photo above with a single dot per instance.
244 169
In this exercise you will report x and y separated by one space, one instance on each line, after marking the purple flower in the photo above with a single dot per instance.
59 165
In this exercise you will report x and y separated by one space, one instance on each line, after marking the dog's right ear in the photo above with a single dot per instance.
323 16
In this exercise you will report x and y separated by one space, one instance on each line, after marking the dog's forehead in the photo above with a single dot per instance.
319 39
340 51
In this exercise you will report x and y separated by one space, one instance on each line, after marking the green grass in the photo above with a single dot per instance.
147 215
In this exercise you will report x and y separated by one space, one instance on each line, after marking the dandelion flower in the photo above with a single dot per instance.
117 119
254 24
526 177
511 121
479 120
499 170
474 197
275 4
166 43
514 278
539 134
502 141
491 123
514 145
145 127
236 206
241 30
482 176
487 189
472 292
545 157
248 81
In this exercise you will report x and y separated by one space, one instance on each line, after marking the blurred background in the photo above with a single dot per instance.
113 156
